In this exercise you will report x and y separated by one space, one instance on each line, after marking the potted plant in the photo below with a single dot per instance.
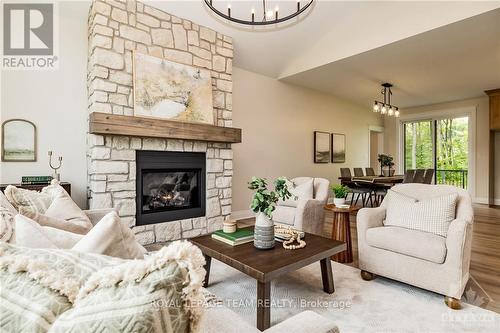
386 160
339 194
263 204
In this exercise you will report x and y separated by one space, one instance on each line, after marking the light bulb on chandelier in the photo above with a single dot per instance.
266 17
387 108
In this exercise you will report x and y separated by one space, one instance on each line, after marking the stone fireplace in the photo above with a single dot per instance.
167 202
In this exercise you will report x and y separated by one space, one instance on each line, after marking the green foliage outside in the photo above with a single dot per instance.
451 149
264 200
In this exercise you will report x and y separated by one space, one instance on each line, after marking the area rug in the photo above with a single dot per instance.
381 305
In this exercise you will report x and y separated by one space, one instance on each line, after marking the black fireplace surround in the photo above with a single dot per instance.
170 186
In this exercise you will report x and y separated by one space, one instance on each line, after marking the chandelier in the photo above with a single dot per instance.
266 16
385 107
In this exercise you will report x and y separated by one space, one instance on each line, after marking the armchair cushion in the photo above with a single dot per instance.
284 214
299 191
430 215
414 243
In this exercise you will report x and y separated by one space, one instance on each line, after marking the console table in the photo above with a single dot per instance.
37 187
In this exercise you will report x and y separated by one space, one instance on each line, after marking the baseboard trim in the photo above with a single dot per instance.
242 214
486 201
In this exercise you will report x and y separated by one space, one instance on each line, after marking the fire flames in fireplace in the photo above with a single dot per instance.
167 190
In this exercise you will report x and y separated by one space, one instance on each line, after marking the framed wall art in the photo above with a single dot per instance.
321 147
338 148
18 141
169 90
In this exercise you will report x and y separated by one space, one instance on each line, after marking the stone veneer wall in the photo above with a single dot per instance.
116 28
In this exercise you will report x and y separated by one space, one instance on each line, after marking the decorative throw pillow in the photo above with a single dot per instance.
6 224
111 237
304 191
38 285
63 213
31 234
33 201
7 213
161 293
432 215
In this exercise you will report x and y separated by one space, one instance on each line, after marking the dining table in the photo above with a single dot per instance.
382 180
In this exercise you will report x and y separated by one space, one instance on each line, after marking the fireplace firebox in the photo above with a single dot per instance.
170 186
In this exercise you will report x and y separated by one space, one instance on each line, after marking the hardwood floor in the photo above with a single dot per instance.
484 284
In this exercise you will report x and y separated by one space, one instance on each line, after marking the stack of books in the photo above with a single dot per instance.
35 180
240 236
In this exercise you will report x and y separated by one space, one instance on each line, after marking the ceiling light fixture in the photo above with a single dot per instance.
269 16
385 107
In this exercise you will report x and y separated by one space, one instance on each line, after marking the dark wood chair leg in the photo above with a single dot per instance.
208 261
263 305
452 303
327 276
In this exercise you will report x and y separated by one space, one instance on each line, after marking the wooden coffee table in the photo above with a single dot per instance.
266 265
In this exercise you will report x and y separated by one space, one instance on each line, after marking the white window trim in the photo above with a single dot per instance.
438 114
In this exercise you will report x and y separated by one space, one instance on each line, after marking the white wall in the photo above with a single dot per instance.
278 120
56 101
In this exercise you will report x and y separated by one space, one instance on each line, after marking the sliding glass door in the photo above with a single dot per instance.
419 151
439 144
452 151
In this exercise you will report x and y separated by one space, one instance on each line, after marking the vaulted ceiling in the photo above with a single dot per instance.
432 51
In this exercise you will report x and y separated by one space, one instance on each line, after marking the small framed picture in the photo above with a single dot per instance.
18 141
321 147
338 148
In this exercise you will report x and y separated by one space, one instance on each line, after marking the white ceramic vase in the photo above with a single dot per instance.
338 201
263 232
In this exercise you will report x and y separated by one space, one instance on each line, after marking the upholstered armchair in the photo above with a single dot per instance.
307 213
422 259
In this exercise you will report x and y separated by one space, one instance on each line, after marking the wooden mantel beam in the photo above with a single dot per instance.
112 124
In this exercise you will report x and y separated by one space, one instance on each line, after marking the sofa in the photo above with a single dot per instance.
423 259
62 290
305 211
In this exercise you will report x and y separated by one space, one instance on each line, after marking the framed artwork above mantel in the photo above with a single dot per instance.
171 91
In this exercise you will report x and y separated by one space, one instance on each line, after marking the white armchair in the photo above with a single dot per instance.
422 259
305 214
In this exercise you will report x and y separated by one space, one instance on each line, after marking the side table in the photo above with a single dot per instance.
341 231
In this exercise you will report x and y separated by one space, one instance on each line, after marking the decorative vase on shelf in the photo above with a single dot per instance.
339 201
263 232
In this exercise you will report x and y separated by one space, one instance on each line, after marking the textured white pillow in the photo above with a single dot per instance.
304 191
63 213
31 234
34 201
111 237
432 215
7 224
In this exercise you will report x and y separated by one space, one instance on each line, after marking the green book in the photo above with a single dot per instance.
238 235
39 179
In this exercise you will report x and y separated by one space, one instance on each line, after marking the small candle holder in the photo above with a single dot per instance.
55 174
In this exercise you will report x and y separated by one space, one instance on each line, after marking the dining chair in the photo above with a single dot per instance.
370 172
354 188
419 176
409 175
358 172
429 175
